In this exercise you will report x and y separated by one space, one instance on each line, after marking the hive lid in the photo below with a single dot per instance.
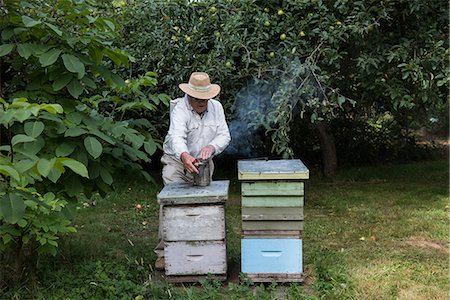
272 169
186 193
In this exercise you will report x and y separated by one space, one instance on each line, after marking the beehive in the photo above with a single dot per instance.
194 231
272 219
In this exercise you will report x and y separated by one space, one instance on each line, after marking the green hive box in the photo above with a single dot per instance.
272 194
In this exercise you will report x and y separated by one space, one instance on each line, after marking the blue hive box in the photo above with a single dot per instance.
271 256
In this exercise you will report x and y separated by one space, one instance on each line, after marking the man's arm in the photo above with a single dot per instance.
176 140
222 138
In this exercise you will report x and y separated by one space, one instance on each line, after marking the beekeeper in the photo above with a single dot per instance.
198 130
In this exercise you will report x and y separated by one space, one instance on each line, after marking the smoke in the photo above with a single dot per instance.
252 104
258 107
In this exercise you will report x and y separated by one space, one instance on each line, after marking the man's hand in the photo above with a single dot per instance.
188 162
207 151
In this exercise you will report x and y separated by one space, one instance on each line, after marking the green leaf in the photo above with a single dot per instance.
81 155
94 169
110 24
7 33
93 146
102 136
34 129
22 114
21 138
73 64
117 56
24 50
106 176
44 166
150 147
75 88
49 57
54 28
6 49
75 131
136 140
24 165
9 171
53 243
117 80
6 238
54 175
29 22
96 55
12 207
61 81
88 82
74 117
22 223
65 149
75 166
91 19
19 30
52 108
33 148
39 49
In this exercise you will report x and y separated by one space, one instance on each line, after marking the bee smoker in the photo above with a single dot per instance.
203 178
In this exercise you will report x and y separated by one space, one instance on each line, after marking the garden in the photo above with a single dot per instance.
355 89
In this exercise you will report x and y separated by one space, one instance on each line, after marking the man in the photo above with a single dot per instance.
198 130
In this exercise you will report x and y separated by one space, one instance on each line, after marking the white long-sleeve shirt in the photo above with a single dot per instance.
190 132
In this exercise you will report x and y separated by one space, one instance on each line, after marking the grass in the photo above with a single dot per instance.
373 233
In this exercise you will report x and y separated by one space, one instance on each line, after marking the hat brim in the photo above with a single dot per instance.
213 91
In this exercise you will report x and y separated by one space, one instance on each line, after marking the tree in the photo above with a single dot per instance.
355 55
70 123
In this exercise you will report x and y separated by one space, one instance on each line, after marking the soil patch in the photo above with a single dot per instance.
422 243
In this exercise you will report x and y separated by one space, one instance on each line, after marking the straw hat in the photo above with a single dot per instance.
200 86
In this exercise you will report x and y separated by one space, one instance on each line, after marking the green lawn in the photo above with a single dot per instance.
373 233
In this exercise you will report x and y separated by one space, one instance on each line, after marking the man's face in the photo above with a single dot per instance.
199 105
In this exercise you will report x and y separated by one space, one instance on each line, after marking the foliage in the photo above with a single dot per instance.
41 220
71 123
352 53
403 59
366 140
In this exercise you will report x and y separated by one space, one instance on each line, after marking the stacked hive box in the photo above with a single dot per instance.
194 231
272 219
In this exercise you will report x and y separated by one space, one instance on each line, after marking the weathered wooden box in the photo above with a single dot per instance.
186 193
192 223
194 230
195 258
290 169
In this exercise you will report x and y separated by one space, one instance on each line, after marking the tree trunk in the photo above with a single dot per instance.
328 148
18 262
